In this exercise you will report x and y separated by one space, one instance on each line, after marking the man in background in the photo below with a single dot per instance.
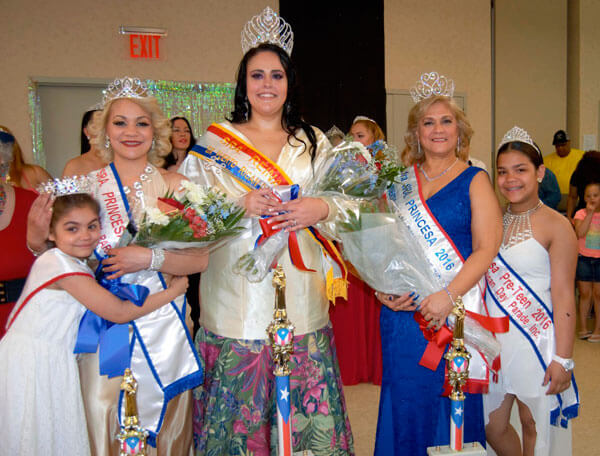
562 163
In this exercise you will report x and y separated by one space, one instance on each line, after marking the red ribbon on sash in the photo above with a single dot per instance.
438 339
493 324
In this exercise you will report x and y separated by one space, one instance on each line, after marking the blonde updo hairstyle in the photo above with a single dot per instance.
372 127
410 155
160 125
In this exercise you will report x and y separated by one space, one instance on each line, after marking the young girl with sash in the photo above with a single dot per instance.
452 212
266 144
42 408
531 282
132 133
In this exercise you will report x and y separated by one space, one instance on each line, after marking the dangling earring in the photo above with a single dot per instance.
107 143
288 108
419 153
246 108
458 146
153 144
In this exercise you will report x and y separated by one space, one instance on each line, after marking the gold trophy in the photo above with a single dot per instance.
280 330
457 359
132 436
281 336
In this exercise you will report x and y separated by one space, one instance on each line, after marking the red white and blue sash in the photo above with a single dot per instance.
446 261
159 350
253 170
533 318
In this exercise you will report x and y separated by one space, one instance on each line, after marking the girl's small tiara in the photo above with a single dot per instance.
66 186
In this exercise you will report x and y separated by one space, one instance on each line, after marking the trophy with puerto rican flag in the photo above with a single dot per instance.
132 436
281 335
457 359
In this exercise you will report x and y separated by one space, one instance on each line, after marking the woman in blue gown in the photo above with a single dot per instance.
460 203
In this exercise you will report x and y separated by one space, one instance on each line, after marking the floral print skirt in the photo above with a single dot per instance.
235 411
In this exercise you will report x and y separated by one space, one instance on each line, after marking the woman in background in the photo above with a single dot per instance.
90 159
22 174
356 321
14 206
182 140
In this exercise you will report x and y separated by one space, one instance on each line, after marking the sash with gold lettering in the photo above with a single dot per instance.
162 355
509 295
446 261
253 170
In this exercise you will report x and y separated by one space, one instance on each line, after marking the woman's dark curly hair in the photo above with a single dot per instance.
291 119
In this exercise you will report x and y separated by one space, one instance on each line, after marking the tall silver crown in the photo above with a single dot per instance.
125 87
267 27
432 84
66 186
518 134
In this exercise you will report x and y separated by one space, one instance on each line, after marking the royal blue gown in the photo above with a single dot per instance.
412 413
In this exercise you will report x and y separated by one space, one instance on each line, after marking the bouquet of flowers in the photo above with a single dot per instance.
349 168
355 170
387 257
198 217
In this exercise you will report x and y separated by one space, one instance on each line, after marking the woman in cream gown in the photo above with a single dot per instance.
267 144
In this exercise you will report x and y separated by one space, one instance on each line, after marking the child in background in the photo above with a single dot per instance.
587 227
42 409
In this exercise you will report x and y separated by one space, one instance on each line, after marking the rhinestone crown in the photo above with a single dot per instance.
267 27
66 186
125 87
517 134
432 84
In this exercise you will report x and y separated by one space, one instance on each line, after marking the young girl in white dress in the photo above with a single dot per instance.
531 280
42 410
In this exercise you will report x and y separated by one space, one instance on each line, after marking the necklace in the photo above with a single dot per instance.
2 199
429 179
137 185
517 226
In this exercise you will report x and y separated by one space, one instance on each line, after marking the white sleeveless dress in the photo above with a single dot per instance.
41 410
521 374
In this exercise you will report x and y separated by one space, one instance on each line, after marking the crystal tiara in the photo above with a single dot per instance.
267 27
432 84
125 87
66 186
518 134
357 118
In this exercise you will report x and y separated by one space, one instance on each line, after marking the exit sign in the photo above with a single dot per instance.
144 46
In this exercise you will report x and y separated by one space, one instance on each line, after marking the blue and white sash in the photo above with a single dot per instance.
161 352
443 256
533 318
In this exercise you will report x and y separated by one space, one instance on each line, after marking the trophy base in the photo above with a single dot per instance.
470 449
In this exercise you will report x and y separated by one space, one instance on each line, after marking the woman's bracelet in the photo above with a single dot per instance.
158 258
449 295
33 252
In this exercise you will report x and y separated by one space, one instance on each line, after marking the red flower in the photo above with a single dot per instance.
172 202
359 158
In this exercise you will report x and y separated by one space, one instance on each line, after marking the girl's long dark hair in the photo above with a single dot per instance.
291 119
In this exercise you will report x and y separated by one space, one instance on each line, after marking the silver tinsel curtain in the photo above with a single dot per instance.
201 103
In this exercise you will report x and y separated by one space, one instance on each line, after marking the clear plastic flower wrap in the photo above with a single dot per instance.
348 169
195 217
355 170
385 254
256 264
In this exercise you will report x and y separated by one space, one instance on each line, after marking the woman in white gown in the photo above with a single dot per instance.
531 281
